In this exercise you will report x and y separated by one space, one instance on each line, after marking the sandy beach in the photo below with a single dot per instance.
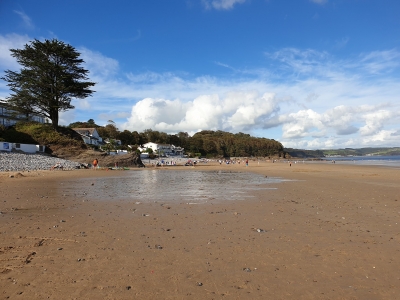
328 231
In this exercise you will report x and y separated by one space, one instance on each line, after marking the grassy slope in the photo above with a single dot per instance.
64 142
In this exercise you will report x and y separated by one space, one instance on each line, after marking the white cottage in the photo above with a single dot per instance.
89 135
162 149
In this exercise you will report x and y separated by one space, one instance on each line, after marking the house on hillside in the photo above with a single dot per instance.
162 149
177 151
9 117
116 142
90 136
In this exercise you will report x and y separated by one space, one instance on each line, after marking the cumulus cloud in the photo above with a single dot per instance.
345 120
235 112
301 124
341 119
221 4
327 130
249 110
374 122
382 137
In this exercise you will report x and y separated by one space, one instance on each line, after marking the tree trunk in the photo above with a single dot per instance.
54 118
137 161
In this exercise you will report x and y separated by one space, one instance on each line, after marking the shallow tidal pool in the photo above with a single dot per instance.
192 187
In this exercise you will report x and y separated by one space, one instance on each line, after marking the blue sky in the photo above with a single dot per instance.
312 74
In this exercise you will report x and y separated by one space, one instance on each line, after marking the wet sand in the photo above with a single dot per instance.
331 232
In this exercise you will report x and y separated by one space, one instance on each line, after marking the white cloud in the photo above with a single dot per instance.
338 121
7 42
99 65
235 112
380 61
301 124
303 62
82 104
308 129
25 19
374 122
67 117
249 109
342 119
155 114
222 4
384 138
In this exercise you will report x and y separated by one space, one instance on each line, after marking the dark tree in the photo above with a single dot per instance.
126 137
51 76
88 124
137 138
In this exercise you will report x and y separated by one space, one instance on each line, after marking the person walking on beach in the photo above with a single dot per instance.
95 163
247 162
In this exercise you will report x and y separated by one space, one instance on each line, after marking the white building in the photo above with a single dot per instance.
162 149
9 117
89 135
27 148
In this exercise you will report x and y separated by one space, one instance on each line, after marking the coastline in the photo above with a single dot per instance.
331 232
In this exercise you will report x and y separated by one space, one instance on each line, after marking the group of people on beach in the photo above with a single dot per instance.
229 162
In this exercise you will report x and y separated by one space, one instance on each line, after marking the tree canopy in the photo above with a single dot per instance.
205 143
51 76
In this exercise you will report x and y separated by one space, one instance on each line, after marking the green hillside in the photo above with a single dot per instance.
43 134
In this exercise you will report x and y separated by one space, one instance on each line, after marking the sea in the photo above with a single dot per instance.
372 160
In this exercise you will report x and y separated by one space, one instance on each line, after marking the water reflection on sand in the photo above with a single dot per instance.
169 185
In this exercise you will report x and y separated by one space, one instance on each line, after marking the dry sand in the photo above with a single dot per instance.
331 233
